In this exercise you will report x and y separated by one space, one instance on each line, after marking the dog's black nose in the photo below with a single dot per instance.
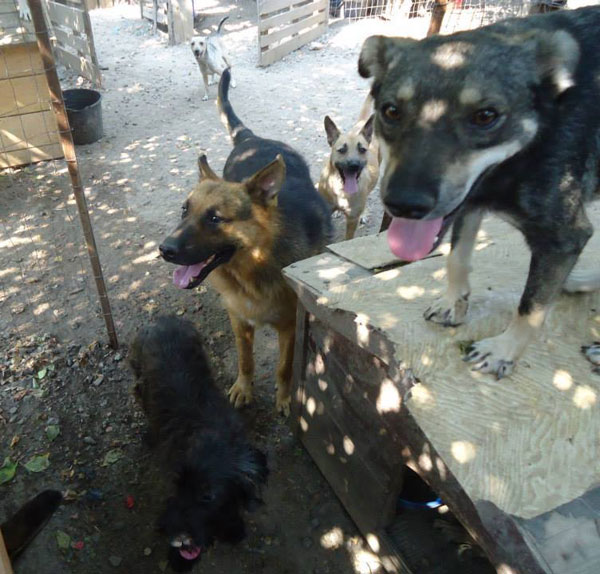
353 166
167 252
412 205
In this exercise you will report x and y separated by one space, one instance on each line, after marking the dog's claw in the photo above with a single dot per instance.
592 354
283 405
448 313
240 394
484 359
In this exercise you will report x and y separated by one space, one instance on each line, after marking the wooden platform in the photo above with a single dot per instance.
517 460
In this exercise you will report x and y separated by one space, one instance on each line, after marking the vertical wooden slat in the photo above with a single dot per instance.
68 146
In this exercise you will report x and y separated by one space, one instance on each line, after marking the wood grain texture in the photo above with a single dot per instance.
526 444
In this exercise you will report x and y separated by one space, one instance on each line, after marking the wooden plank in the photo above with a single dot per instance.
66 16
269 56
68 39
292 30
280 19
161 16
269 6
9 21
79 64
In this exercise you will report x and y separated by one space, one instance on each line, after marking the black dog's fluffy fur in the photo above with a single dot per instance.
200 439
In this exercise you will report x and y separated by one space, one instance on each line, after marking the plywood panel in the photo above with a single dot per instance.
19 60
24 95
526 444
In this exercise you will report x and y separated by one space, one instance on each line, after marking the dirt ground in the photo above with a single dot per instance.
56 372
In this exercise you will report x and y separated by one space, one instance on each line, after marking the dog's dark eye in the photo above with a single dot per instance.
391 112
485 118
213 218
343 149
184 209
361 149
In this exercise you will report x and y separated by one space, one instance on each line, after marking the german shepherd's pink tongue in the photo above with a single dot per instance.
412 239
350 182
185 273
190 552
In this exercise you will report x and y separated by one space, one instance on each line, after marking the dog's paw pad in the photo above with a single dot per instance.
447 313
592 354
240 394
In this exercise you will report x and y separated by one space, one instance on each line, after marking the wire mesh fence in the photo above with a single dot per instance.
459 14
45 282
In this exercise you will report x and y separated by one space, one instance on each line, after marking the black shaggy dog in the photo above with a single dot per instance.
200 439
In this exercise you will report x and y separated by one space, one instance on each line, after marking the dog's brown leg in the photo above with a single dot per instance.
287 333
240 393
351 225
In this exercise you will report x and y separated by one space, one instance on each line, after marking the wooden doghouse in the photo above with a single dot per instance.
377 387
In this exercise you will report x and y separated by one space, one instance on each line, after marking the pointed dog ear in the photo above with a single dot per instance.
332 131
265 184
378 53
557 56
367 129
205 171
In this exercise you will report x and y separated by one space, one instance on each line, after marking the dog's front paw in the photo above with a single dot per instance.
592 354
283 401
448 311
491 356
240 393
205 97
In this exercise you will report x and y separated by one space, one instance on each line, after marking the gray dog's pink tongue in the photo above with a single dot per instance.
412 239
185 273
350 182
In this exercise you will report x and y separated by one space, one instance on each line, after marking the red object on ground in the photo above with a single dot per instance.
129 502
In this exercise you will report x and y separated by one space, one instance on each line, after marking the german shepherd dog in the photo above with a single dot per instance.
200 439
241 231
504 118
353 167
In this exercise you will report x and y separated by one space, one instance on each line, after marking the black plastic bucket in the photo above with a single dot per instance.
84 110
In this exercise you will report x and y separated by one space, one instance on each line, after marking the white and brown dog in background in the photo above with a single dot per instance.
353 167
212 57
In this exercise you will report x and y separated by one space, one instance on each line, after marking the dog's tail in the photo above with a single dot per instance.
237 130
221 23
367 109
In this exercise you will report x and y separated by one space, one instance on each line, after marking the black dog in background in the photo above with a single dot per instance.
200 439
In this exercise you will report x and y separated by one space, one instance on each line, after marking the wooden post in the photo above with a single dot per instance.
437 17
68 146
5 567
181 21
87 26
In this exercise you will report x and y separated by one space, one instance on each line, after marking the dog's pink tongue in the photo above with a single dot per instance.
350 182
190 552
412 239
185 273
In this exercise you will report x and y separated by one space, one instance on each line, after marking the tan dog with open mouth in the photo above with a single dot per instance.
353 167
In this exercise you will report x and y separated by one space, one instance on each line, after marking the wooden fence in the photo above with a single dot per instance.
177 16
286 25
73 39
